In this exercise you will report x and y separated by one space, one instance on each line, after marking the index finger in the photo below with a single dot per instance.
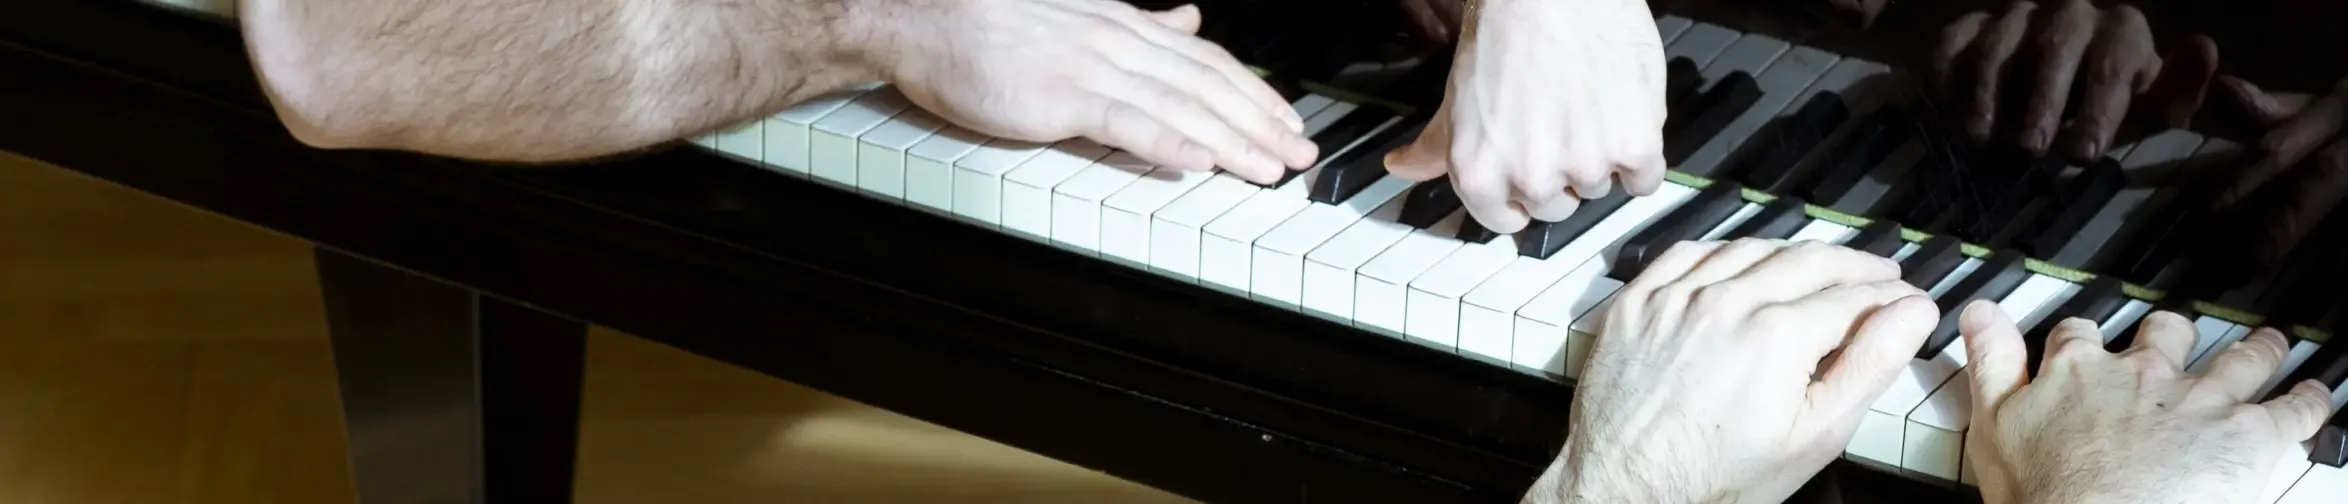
1888 320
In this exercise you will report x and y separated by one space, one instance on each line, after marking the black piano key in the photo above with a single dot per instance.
1772 168
2329 365
1933 261
1996 278
1472 231
1867 147
1688 222
1777 220
1542 239
1881 238
2080 201
1681 80
1428 203
2006 207
1683 134
1928 195
2331 443
1333 140
2173 228
1354 170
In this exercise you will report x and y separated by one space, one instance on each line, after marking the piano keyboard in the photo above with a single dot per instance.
1346 242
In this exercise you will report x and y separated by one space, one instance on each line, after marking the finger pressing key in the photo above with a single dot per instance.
2244 366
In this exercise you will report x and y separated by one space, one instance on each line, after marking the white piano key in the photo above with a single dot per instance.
832 145
1227 245
2300 351
2289 470
1546 340
789 133
929 167
1432 299
2125 319
2152 154
1126 216
978 178
1076 203
1859 81
880 160
1781 74
1670 27
1193 212
1330 269
1027 190
1492 308
1378 297
1175 229
1279 263
1742 214
1700 43
2317 483
1883 432
2211 335
1936 428
1825 231
747 140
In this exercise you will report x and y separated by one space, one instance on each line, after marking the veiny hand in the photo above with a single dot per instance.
2095 426
2014 73
1048 70
2300 165
1701 388
1548 102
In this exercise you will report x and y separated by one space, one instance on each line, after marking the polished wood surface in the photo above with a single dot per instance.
151 353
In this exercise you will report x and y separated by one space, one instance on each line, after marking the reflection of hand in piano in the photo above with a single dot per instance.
1549 102
1048 70
1704 379
2013 73
2303 149
2133 426
1432 20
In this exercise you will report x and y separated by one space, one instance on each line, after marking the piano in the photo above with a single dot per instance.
1350 336
1767 139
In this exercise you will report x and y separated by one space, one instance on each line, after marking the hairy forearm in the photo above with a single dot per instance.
1576 478
545 80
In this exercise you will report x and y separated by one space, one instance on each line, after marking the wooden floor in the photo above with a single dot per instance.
150 353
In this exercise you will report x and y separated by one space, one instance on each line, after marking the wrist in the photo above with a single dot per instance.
875 36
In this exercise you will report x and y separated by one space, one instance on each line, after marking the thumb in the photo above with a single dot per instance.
1427 157
1183 18
1995 348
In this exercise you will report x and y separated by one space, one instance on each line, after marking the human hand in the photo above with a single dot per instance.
1547 103
2095 426
2300 165
2013 75
1048 70
1432 20
1734 372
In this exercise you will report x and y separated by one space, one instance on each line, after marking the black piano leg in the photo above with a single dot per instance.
451 396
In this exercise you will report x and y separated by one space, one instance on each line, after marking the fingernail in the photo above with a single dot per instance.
2037 140
2088 149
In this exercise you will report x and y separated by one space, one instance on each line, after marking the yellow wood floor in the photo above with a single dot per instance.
151 353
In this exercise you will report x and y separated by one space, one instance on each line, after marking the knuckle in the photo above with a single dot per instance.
1718 296
2073 350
